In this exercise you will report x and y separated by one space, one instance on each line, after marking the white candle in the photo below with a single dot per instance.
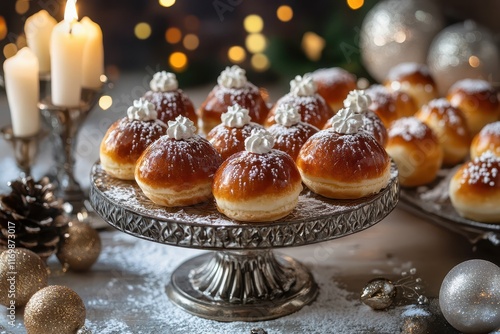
93 55
66 51
38 28
22 86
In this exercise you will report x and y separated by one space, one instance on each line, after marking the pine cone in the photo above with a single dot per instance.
34 215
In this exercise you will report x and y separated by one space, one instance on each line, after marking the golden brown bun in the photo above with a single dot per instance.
220 98
257 187
488 139
450 126
405 104
416 150
290 139
177 172
343 166
333 85
414 79
383 104
169 105
475 189
313 109
478 101
372 124
227 140
124 142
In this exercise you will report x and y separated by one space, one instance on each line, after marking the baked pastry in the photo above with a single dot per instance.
343 162
168 99
128 137
229 136
289 131
232 88
416 150
488 139
359 102
259 184
414 79
450 126
333 84
178 168
405 104
303 95
383 104
478 100
475 189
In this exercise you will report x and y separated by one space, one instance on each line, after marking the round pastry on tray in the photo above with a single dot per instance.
259 184
232 88
178 168
488 139
475 189
169 100
383 104
127 138
344 162
333 85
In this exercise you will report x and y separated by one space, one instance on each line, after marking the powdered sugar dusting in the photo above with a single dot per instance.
472 86
449 115
491 129
408 128
483 170
403 70
332 75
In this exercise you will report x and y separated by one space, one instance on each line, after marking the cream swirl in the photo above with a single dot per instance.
287 115
181 128
163 82
232 77
347 121
142 110
358 101
260 141
235 117
303 85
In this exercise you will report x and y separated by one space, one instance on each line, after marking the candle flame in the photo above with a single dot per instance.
70 13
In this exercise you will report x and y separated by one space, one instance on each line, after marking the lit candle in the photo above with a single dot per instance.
38 28
22 86
66 50
93 55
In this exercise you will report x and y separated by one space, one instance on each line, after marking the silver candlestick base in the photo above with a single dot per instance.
25 148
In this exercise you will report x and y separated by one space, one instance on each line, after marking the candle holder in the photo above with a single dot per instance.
25 148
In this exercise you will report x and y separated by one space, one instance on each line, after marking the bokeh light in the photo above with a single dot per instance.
191 42
178 61
474 61
260 62
9 50
355 4
253 23
105 102
284 13
3 28
167 3
142 30
22 6
313 45
236 54
255 43
173 35
21 42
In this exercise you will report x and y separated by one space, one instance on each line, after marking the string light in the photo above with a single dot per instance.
173 35
105 102
3 28
260 62
236 54
355 4
167 3
191 42
255 43
142 30
253 23
178 61
22 6
313 45
284 13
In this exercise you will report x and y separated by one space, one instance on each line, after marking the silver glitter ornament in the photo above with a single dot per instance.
397 31
463 50
84 330
470 297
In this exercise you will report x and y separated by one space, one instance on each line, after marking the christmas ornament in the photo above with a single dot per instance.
22 273
470 296
425 319
397 31
463 50
54 309
84 330
80 247
32 217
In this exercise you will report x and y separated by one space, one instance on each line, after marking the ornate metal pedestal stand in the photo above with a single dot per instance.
25 148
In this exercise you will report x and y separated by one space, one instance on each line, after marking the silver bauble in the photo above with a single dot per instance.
397 31
470 297
463 50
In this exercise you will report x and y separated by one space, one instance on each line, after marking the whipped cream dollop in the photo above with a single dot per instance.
181 128
287 115
347 121
163 82
232 77
358 101
260 141
235 117
142 110
303 85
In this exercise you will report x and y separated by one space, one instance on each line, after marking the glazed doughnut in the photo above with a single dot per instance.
488 139
416 150
333 84
478 100
177 169
259 184
127 138
475 189
383 104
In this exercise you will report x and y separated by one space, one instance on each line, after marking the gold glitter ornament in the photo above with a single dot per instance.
379 294
55 309
22 273
80 247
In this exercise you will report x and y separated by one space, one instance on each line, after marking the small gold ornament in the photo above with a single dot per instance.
22 273
80 247
54 309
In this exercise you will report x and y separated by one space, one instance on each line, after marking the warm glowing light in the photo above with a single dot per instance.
355 4
192 22
167 3
9 50
260 62
103 78
253 23
22 6
313 45
178 61
70 13
474 61
236 54
173 35
400 37
105 102
284 13
21 42
142 30
191 42
3 28
255 43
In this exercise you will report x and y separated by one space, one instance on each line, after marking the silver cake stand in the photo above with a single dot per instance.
242 279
